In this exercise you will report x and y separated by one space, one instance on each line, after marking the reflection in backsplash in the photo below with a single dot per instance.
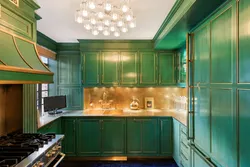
121 97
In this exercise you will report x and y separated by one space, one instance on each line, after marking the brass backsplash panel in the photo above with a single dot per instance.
122 96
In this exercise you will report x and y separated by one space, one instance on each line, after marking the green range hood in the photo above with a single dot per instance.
19 61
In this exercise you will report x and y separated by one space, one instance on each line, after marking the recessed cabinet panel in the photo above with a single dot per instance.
110 63
166 136
202 118
166 68
148 65
244 40
244 130
223 127
129 68
221 48
91 68
69 141
134 136
202 55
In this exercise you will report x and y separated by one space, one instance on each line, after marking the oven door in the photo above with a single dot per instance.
57 160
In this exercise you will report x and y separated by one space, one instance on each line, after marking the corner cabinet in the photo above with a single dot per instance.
167 74
128 68
148 68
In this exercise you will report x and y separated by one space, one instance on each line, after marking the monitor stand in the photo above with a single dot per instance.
54 112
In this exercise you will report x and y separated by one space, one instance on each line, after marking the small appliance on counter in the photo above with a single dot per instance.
149 103
135 104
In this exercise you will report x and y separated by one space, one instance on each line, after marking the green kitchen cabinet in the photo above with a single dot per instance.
53 127
181 64
113 136
74 97
69 69
198 160
69 141
142 136
166 64
148 68
91 68
129 68
176 141
166 136
110 68
89 137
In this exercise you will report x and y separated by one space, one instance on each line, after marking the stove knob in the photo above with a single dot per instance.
48 155
40 164
53 153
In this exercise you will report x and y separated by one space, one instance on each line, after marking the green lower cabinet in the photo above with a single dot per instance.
113 136
166 146
69 131
142 136
198 160
176 141
88 137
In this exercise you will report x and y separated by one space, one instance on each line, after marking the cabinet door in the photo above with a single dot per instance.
110 63
167 69
150 136
89 137
134 136
166 144
113 136
176 141
91 68
148 65
69 72
69 141
129 68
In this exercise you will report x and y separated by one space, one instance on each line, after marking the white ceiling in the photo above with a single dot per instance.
58 20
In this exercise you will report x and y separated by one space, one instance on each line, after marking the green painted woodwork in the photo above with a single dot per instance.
184 16
91 68
67 47
181 64
244 131
53 68
176 141
89 137
223 127
202 119
29 108
19 20
46 42
53 127
244 38
166 63
221 51
142 136
73 95
166 136
69 131
69 66
129 68
113 136
198 161
110 66
148 68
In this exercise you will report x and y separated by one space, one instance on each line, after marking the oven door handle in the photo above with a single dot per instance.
57 163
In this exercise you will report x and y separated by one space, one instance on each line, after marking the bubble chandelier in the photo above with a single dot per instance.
106 16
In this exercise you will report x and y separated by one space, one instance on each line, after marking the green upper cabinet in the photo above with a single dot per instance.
69 141
129 68
148 68
244 40
167 69
113 136
110 67
181 64
89 137
91 68
69 72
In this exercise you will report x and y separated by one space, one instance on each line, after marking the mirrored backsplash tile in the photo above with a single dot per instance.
121 97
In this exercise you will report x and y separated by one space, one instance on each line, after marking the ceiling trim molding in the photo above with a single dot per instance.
32 4
172 12
46 41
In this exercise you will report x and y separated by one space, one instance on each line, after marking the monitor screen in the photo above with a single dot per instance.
54 102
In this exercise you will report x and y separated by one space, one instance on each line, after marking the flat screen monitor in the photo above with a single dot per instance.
54 102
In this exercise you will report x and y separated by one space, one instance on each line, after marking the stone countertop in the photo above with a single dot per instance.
180 116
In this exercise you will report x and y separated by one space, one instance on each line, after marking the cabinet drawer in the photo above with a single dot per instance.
183 139
184 159
184 129
185 149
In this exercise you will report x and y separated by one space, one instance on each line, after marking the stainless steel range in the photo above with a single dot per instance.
30 150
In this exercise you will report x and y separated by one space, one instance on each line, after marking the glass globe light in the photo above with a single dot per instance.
120 23
95 31
112 28
93 21
100 15
91 4
108 6
125 6
78 17
132 24
124 29
107 22
100 27
87 26
84 10
117 33
129 15
114 16
106 32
